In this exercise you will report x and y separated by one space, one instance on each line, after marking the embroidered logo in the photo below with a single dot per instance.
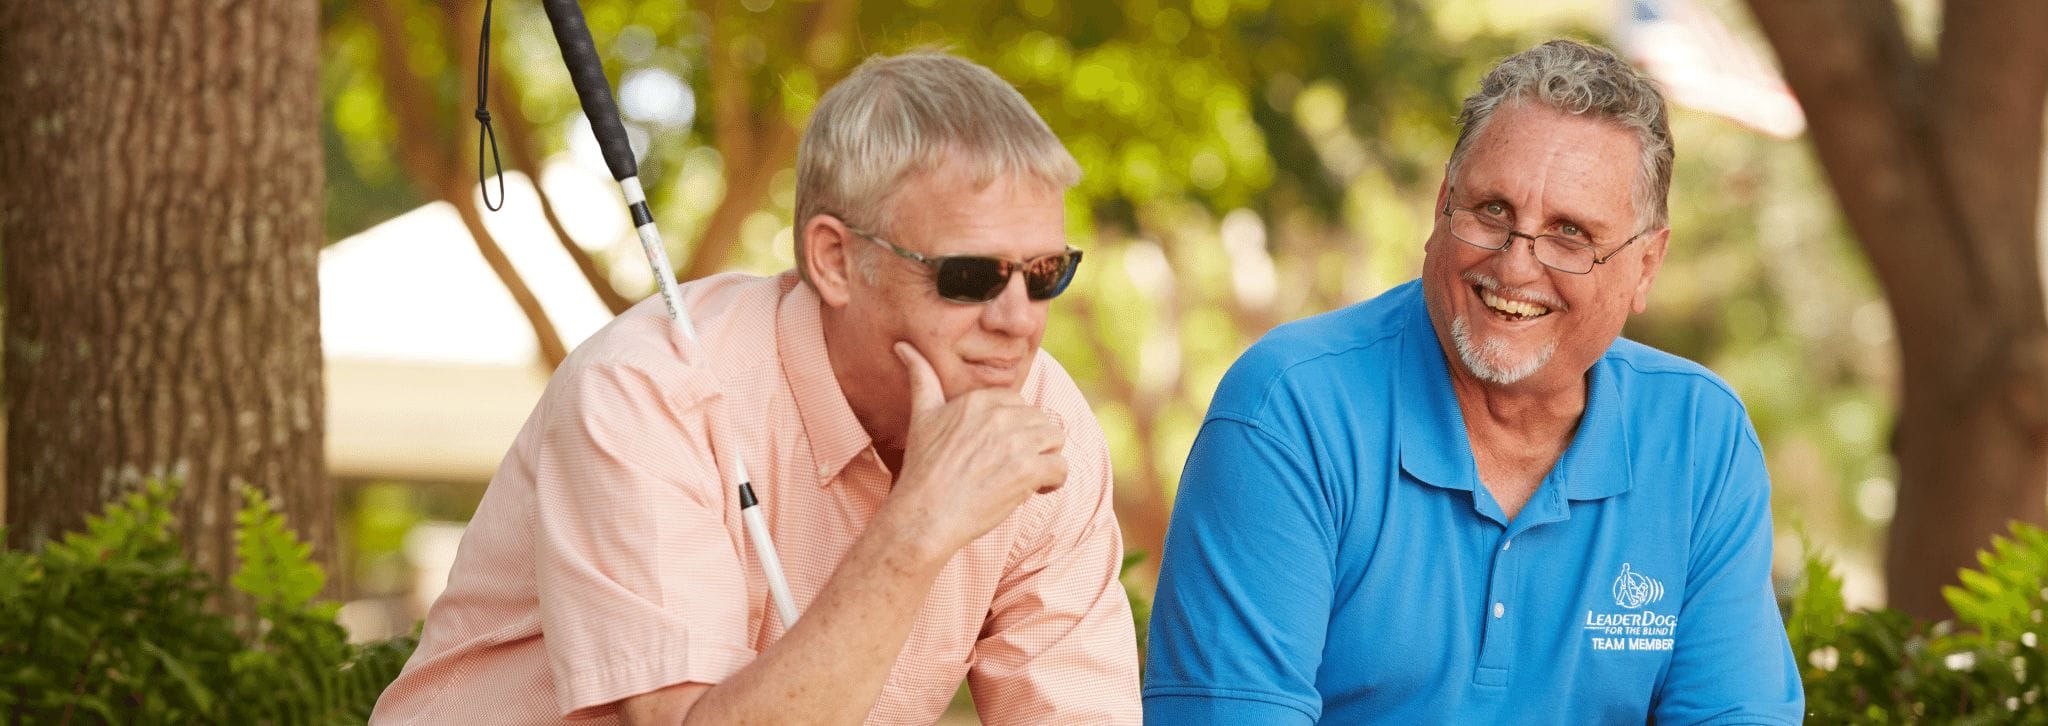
1642 630
1634 589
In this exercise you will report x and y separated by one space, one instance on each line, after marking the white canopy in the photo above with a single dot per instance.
431 366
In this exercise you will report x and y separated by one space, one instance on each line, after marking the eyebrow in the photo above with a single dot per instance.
1599 232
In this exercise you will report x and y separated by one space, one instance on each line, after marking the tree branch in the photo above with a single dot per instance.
1847 62
437 173
551 349
519 136
469 14
1940 180
1987 93
427 163
731 95
755 142
746 187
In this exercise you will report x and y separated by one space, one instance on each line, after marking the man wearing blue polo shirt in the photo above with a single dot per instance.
1469 501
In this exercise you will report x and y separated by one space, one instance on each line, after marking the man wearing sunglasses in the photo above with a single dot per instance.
937 488
1474 503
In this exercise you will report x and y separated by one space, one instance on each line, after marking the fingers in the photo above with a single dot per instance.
1055 472
1050 437
991 434
926 393
1025 427
1047 466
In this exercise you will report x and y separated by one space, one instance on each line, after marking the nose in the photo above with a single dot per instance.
1013 312
1518 261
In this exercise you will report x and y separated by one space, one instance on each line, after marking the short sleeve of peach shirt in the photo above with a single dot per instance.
607 558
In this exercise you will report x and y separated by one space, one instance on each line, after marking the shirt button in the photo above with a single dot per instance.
1505 545
1499 610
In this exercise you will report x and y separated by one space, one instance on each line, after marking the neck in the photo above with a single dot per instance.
1517 433
1526 410
874 390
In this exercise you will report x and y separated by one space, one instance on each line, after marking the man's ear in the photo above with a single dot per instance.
1654 245
827 259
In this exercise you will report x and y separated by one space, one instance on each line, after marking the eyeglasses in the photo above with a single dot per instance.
979 279
1575 255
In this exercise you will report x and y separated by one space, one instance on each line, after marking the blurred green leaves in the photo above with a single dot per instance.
1246 162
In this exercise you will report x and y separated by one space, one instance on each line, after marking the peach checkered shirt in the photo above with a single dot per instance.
608 557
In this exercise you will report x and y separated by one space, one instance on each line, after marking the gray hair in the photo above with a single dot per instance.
899 116
1581 79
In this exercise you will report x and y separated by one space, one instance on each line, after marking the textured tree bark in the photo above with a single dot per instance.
1937 167
160 217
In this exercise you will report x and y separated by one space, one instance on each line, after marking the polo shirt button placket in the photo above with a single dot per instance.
1496 631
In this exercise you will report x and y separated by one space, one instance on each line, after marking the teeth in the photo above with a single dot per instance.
1511 307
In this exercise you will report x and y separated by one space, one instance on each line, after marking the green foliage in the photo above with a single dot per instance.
1886 667
113 624
273 570
1141 604
1246 162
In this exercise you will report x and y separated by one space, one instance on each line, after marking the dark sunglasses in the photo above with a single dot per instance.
978 279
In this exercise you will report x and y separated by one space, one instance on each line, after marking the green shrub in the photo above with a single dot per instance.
1884 666
112 625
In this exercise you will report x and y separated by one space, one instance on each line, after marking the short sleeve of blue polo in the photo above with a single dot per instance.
1333 557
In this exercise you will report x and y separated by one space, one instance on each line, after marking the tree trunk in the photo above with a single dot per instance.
160 217
1937 167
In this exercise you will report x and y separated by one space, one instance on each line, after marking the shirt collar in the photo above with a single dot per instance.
1433 446
835 434
1597 465
1431 430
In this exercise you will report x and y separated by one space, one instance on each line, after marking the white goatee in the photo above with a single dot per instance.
1491 360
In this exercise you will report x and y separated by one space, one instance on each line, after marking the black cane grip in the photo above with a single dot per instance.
586 71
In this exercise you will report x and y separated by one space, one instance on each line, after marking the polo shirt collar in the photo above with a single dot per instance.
1597 465
1432 440
835 434
1433 446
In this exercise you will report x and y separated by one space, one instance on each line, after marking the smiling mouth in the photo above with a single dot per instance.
1507 309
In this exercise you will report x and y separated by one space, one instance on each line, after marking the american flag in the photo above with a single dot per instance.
1705 67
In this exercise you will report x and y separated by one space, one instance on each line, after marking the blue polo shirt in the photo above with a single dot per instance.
1333 556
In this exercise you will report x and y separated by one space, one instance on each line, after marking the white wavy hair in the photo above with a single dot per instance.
1582 79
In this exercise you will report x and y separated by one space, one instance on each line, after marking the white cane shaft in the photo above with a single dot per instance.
778 586
665 278
657 253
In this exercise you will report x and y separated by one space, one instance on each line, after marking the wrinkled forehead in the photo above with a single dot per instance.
1527 152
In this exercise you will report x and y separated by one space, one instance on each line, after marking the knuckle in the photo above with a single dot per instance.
988 395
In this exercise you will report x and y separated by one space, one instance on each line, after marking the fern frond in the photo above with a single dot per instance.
276 567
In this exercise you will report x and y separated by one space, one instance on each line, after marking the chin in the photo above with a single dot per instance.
1497 361
978 380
